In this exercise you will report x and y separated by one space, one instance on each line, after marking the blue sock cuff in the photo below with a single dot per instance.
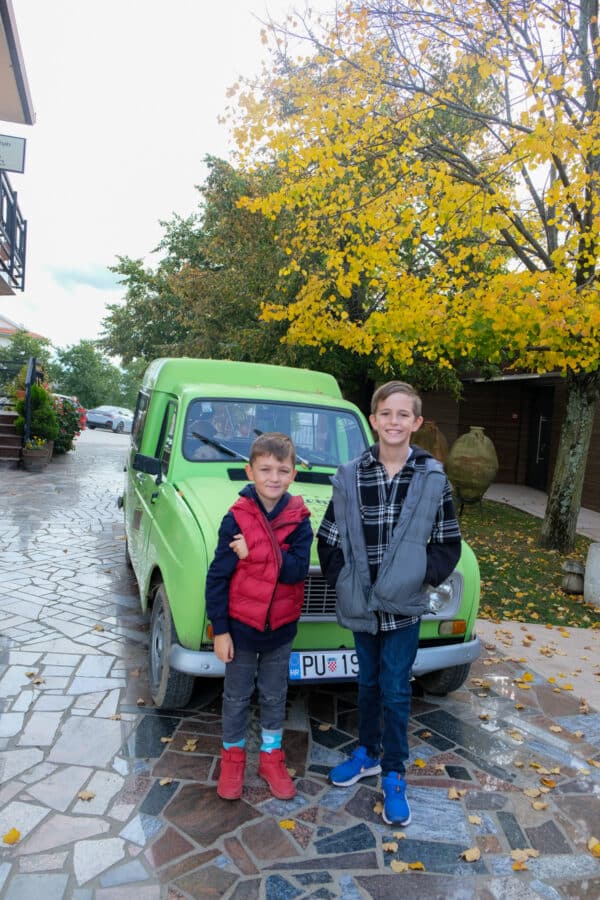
271 740
228 746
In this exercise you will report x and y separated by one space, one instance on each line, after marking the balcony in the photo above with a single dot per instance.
13 238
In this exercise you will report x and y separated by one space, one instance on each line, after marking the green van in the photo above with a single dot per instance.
195 420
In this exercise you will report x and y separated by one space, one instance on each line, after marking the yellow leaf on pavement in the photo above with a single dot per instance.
472 854
475 820
11 836
419 763
417 866
287 824
86 795
390 846
593 846
397 865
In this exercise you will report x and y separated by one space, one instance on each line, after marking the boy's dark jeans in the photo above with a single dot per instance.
384 663
270 670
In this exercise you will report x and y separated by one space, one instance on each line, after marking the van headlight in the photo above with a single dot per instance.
444 599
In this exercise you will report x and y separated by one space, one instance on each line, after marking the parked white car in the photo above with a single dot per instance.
114 418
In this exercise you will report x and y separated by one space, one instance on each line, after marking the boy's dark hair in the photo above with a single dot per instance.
396 387
273 443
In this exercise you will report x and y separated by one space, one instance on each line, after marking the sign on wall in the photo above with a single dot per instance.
12 153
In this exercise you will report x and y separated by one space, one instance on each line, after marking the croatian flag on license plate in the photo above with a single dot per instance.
332 664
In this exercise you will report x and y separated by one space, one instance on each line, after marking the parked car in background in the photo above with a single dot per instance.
114 418
194 423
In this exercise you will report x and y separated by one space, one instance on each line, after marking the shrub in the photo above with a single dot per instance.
70 422
44 421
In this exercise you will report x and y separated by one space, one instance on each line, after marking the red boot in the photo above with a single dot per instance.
271 767
231 779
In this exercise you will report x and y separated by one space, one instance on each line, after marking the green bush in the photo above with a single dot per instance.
44 421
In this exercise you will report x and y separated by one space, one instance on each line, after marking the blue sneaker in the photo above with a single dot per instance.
396 810
360 765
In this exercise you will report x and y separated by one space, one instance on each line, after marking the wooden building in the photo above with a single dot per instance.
522 415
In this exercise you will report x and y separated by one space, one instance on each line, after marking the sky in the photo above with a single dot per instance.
127 95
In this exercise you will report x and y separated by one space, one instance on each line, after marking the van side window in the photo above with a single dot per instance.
139 419
165 446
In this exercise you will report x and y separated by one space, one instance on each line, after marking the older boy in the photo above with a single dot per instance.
389 530
254 595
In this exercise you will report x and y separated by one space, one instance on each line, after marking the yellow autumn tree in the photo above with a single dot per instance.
442 163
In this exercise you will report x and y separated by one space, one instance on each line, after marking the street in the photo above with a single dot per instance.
112 798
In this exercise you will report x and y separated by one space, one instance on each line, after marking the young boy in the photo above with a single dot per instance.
389 530
254 594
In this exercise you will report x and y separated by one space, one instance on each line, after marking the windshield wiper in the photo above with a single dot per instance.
219 446
301 460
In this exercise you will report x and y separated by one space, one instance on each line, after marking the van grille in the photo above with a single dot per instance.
319 599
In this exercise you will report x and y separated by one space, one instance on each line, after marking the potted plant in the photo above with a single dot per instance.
43 426
36 454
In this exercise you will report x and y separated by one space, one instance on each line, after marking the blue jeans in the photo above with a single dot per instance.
270 671
385 661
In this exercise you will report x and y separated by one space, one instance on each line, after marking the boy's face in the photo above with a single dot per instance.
272 477
395 420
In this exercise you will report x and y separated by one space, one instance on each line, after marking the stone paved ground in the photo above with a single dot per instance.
73 670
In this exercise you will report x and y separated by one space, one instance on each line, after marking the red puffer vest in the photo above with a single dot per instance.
256 597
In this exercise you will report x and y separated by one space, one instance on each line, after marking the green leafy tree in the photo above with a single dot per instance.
82 370
15 355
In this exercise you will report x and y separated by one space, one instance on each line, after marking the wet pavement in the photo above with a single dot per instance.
114 799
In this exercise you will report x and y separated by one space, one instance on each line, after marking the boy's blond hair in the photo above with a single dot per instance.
273 443
396 387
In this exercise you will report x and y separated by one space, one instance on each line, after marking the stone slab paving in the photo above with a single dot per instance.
73 670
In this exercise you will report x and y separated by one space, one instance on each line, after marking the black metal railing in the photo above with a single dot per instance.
13 235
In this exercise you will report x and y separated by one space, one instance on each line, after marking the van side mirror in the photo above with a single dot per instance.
151 465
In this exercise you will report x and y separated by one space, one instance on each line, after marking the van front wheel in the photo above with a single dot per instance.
444 681
168 687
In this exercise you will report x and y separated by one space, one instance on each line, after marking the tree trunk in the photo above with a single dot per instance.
564 500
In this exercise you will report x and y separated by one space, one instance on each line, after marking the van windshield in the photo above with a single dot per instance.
224 430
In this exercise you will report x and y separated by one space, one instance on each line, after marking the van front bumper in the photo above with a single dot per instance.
204 663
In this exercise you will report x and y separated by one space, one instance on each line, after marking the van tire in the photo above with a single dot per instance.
169 688
444 681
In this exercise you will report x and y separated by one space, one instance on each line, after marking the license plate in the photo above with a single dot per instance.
314 665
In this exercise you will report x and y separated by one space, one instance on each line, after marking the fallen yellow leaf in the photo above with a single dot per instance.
527 676
475 820
519 866
417 866
472 854
419 763
11 836
324 726
378 808
390 846
140 701
287 824
548 782
593 846
556 729
399 835
98 627
116 717
166 740
86 795
164 781
532 792
539 804
397 865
